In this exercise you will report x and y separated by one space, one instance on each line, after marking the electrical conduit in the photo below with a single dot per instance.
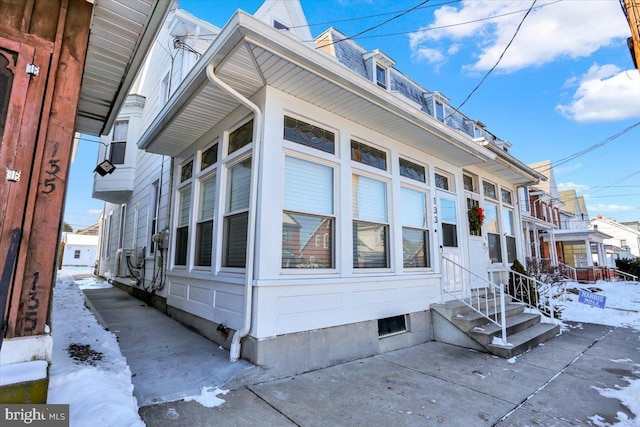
234 351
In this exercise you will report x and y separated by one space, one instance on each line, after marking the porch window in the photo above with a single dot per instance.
493 232
412 171
118 145
449 223
506 196
186 171
444 181
241 137
415 233
489 190
209 157
367 155
236 219
509 233
308 215
470 182
204 225
309 135
370 223
182 227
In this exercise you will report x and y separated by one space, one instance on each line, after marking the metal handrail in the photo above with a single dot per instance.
475 299
628 275
546 265
531 292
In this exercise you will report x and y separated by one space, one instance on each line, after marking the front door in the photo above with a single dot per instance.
478 250
449 240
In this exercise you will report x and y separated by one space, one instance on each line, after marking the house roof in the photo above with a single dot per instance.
249 54
122 31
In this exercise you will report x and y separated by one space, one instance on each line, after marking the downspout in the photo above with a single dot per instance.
234 351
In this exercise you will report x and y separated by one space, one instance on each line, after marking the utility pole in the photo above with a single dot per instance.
631 9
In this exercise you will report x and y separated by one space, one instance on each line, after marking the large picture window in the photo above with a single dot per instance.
370 223
204 225
182 227
236 219
308 215
415 234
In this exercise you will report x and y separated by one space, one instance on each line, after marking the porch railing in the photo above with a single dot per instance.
484 297
628 276
533 292
545 266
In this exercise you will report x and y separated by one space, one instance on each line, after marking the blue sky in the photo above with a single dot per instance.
566 82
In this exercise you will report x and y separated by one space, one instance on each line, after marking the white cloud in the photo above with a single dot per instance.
572 186
604 93
94 212
433 56
607 209
564 29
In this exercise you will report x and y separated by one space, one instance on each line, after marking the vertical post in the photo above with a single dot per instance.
442 278
503 322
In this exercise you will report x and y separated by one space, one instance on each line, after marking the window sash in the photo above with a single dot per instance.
489 190
235 245
239 186
415 248
414 208
241 137
204 243
412 171
369 199
308 187
381 76
117 151
182 245
307 241
309 135
368 155
370 245
207 198
184 210
495 247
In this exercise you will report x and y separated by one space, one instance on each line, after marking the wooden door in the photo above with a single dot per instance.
21 100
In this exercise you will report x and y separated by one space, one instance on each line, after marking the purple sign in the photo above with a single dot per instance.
590 298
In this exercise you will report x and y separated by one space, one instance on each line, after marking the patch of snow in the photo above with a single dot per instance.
500 341
621 309
22 372
208 397
512 360
628 396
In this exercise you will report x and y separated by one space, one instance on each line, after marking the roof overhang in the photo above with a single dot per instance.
509 168
121 34
580 235
248 55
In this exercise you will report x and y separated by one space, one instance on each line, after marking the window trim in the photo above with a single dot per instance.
118 142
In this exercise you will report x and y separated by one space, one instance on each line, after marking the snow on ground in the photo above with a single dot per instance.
103 370
622 307
88 372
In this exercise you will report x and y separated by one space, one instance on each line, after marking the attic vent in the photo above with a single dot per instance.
279 26
392 325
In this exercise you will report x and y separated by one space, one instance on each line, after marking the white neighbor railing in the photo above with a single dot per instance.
627 276
455 280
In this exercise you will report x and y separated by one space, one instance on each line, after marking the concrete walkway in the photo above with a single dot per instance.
555 384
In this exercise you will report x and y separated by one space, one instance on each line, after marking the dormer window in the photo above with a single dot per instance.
381 76
378 65
440 111
280 26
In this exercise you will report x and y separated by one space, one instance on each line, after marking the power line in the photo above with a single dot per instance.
375 26
590 148
497 62
359 18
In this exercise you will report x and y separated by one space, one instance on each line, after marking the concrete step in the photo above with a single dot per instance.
524 340
484 334
453 308
470 320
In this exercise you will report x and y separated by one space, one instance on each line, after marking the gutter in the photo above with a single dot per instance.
234 351
514 164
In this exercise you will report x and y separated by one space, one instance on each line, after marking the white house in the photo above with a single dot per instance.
79 250
301 194
625 238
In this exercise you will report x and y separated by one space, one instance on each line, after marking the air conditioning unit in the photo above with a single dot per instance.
122 269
